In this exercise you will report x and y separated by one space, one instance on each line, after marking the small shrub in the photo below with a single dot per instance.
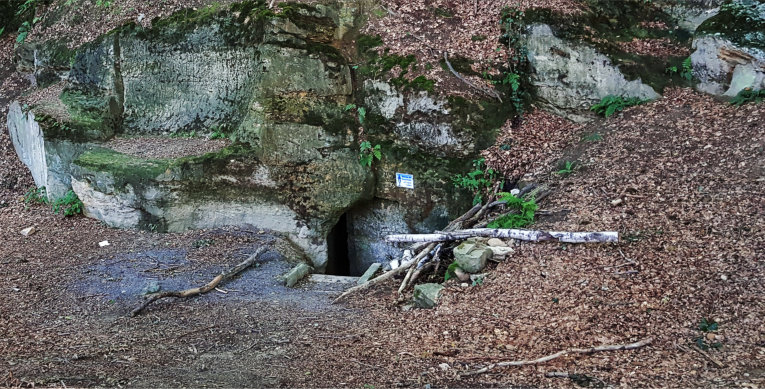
36 196
610 105
522 218
568 168
69 205
594 137
217 134
685 70
25 7
24 30
748 95
367 153
477 180
707 326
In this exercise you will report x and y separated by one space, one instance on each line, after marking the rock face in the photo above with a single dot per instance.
277 86
570 77
730 49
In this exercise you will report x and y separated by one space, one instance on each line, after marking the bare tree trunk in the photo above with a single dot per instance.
519 234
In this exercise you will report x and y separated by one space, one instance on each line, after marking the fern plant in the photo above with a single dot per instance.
523 215
748 95
478 180
611 104
568 168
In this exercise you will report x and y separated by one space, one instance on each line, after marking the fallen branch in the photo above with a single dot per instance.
224 276
463 79
614 347
519 234
708 356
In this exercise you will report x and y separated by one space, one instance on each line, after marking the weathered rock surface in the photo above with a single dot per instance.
570 77
276 85
472 257
730 49
426 295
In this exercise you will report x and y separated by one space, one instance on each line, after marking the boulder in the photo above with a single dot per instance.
729 49
724 68
426 295
569 77
472 257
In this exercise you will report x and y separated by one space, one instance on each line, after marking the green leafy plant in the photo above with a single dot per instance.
1 30
104 3
748 95
611 104
594 137
685 70
24 30
707 326
522 213
478 180
69 204
368 153
450 271
217 134
360 111
477 281
567 169
26 6
36 196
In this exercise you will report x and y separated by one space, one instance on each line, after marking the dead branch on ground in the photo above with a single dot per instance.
614 347
488 91
224 276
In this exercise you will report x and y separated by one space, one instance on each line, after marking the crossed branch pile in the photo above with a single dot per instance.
429 247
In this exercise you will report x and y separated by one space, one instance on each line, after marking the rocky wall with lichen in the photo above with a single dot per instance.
729 49
278 85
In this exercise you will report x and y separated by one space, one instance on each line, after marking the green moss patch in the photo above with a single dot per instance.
740 21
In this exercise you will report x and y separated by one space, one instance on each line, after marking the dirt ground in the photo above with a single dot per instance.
682 179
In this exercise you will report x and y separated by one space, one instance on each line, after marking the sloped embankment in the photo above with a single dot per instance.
689 173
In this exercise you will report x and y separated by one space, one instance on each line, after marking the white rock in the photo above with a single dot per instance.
496 242
443 366
28 231
103 243
501 251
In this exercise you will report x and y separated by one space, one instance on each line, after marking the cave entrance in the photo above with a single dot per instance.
338 262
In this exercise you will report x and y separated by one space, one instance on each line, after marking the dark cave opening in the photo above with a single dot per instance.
338 262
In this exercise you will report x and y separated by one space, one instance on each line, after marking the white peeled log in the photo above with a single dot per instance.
520 234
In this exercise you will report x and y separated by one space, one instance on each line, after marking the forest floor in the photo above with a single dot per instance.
681 178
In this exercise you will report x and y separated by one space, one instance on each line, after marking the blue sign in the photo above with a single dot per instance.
404 180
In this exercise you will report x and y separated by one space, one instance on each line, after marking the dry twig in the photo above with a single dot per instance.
614 347
488 91
203 289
